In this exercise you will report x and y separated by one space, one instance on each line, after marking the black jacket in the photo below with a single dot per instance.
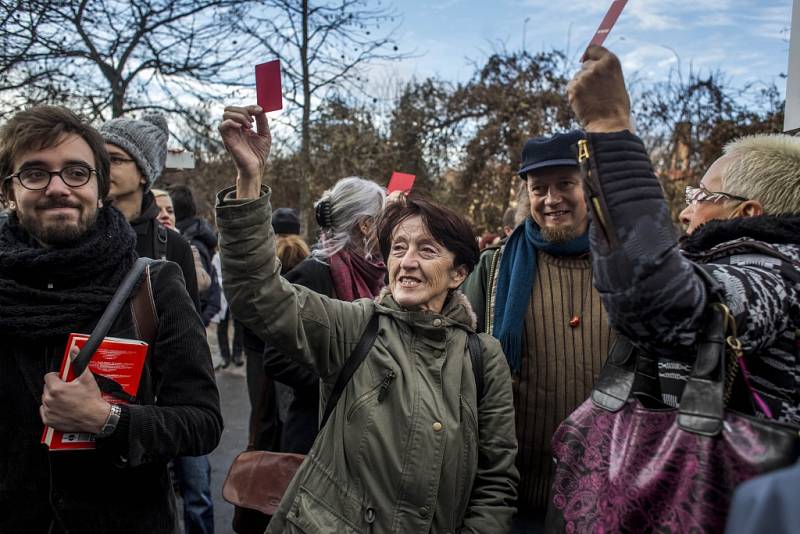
200 234
302 422
654 294
155 241
123 486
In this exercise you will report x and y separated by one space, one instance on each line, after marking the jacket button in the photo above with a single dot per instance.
423 512
437 322
437 426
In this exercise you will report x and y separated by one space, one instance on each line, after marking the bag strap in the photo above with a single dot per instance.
109 315
143 310
160 236
476 355
352 363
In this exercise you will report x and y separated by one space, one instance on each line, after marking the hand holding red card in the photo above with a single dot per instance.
268 86
401 181
608 22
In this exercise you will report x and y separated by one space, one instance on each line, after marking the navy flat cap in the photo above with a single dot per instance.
551 151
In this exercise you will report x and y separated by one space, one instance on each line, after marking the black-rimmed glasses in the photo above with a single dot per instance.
36 179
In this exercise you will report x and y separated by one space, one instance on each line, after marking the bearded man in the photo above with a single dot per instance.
535 295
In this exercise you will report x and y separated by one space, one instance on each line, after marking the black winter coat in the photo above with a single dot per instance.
124 486
150 237
200 234
655 296
302 422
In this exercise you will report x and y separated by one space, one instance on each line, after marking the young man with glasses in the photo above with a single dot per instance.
137 150
63 253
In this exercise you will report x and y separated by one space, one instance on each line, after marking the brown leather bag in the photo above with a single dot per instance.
257 480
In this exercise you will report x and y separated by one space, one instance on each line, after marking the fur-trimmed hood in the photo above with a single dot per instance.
770 229
456 307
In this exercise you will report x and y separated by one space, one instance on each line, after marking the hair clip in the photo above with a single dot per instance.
324 213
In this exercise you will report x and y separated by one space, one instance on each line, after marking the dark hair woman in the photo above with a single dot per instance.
409 446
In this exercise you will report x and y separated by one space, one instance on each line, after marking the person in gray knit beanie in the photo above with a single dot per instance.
145 140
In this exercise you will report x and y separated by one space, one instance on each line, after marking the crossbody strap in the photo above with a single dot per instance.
353 362
476 355
109 315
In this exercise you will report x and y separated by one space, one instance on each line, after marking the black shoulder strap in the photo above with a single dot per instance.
476 355
353 362
109 315
161 235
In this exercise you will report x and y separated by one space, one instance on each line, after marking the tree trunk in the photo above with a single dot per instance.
305 144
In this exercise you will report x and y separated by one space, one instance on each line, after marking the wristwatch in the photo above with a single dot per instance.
111 422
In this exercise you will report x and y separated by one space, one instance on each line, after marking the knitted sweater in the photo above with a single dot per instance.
559 366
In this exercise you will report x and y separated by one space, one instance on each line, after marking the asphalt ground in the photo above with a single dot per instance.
235 415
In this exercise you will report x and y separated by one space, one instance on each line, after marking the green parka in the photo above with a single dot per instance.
408 448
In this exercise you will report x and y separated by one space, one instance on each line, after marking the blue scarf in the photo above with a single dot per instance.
515 282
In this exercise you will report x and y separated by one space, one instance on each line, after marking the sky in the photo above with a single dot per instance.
747 40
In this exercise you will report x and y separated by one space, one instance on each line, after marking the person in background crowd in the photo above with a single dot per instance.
487 240
535 295
410 447
345 264
63 253
201 235
138 153
166 211
509 222
166 217
271 401
743 229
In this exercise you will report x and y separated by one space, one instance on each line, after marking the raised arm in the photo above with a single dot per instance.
652 293
311 328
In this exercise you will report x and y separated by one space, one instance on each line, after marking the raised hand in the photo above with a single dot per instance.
249 148
597 93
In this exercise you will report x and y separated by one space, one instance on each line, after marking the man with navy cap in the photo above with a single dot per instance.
535 295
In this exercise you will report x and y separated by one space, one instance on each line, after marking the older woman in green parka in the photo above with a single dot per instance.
409 447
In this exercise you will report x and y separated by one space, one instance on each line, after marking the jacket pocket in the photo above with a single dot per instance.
380 391
314 516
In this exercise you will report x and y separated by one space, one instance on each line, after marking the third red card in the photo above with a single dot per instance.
608 22
401 181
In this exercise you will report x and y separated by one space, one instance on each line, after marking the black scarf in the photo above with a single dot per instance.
53 291
776 229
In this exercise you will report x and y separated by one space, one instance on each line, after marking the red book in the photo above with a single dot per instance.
121 360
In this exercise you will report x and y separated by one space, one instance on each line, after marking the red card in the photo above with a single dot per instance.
608 22
268 85
401 181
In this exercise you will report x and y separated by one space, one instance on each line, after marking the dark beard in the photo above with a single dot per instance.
59 235
560 234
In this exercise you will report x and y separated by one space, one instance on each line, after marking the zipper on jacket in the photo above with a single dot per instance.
489 320
384 387
596 200
369 517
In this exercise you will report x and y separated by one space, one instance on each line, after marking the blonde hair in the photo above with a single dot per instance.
291 250
160 193
765 168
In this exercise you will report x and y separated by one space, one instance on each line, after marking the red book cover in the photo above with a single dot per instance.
121 360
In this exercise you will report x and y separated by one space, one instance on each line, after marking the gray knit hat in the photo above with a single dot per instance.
144 139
